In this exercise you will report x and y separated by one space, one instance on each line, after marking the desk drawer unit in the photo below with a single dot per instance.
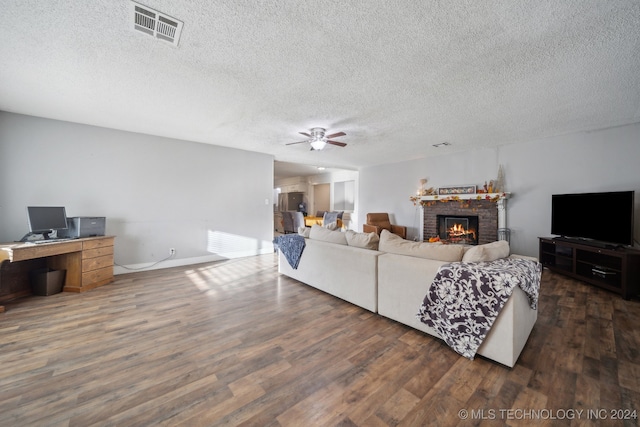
97 262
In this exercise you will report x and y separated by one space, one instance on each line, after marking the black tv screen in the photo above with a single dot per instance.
605 217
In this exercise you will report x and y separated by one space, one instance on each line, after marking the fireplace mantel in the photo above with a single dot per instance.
500 199
479 196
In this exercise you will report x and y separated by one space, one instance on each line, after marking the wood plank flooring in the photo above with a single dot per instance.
235 343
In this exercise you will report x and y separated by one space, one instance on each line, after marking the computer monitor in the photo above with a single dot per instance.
44 219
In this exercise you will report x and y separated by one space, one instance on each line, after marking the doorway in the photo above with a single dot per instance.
321 198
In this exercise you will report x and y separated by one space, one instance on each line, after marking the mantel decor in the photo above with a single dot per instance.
459 189
462 198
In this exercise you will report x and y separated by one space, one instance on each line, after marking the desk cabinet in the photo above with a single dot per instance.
96 264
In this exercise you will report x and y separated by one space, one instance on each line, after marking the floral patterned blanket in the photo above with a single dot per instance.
465 299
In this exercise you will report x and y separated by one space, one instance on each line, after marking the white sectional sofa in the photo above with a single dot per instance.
393 281
349 273
403 282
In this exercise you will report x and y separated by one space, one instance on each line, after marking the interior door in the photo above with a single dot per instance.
321 198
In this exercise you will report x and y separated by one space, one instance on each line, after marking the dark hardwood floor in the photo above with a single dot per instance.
235 343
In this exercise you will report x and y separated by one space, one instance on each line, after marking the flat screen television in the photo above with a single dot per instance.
44 219
601 217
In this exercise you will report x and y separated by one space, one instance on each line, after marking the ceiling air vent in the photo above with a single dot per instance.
156 24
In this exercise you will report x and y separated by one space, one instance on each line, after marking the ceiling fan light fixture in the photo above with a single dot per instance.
318 144
318 140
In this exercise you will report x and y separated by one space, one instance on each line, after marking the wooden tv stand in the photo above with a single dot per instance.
614 269
88 263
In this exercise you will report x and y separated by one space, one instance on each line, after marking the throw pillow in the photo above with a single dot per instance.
487 252
304 231
395 244
331 226
362 240
320 233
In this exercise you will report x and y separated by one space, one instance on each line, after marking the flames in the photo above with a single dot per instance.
458 231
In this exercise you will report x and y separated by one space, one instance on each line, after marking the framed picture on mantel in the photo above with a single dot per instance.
459 189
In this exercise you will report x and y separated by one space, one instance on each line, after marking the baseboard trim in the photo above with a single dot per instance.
179 262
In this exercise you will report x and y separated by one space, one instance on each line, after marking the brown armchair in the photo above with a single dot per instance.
376 222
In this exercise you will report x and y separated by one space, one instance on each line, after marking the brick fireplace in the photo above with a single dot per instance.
491 216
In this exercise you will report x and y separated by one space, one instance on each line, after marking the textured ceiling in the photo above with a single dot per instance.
395 77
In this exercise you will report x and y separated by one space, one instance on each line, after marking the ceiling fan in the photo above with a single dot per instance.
318 139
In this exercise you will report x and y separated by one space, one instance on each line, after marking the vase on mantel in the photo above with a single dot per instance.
499 184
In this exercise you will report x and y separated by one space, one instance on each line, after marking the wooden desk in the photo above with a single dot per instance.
88 262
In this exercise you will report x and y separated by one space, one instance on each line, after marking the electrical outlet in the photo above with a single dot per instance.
172 251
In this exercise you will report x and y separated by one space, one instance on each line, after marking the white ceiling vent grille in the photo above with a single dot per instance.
156 24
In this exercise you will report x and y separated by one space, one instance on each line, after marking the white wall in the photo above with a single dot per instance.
605 160
157 193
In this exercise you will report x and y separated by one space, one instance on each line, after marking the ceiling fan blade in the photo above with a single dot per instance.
299 142
305 134
333 135
339 144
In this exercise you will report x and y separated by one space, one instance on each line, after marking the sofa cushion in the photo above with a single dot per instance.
320 233
487 252
395 244
362 240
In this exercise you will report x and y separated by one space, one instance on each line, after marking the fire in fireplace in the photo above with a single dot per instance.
458 229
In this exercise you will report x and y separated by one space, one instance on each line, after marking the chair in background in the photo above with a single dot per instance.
376 222
291 220
298 220
330 220
287 222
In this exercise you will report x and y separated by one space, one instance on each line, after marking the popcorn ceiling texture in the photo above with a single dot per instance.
396 77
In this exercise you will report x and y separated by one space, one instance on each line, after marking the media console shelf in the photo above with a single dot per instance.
617 270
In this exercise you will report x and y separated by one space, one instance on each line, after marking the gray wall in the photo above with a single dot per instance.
606 160
205 201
